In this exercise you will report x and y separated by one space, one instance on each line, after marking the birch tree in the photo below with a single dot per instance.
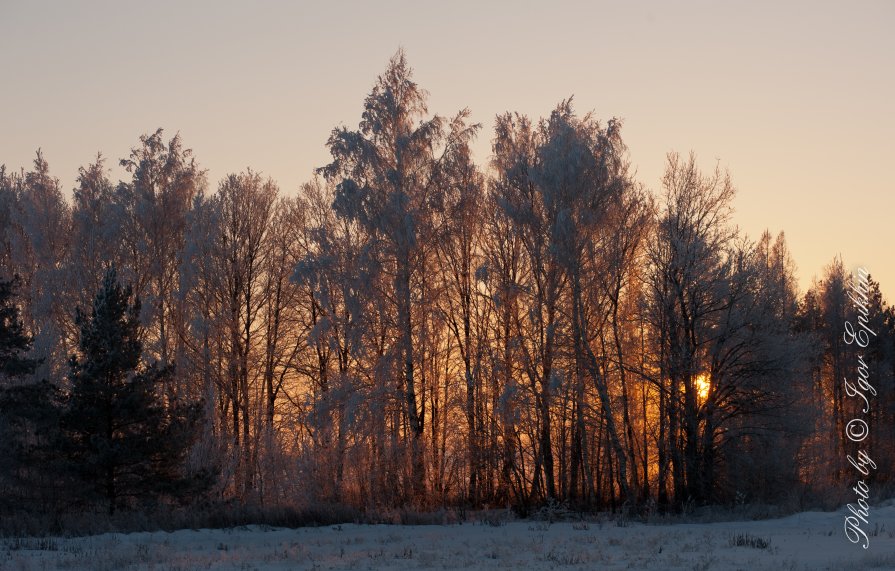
385 174
153 208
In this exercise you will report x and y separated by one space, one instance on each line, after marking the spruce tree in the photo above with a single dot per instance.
125 443
28 414
14 342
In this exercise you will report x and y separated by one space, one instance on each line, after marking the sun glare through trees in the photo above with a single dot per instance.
415 332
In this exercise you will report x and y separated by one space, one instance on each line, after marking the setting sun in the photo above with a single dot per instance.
702 387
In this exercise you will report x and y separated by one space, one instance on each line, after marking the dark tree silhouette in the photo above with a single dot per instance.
14 342
28 414
124 442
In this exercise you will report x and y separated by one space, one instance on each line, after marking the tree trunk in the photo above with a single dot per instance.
414 420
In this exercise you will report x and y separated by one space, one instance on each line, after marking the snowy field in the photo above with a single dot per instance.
810 541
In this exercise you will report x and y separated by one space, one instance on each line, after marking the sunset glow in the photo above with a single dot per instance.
703 385
284 264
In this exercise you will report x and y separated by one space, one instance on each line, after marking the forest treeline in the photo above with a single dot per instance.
412 329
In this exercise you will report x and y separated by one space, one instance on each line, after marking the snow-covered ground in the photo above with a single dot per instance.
811 541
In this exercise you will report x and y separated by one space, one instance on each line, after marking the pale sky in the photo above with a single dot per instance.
794 98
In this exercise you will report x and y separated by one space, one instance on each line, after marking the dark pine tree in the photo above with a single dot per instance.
14 342
125 443
28 415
